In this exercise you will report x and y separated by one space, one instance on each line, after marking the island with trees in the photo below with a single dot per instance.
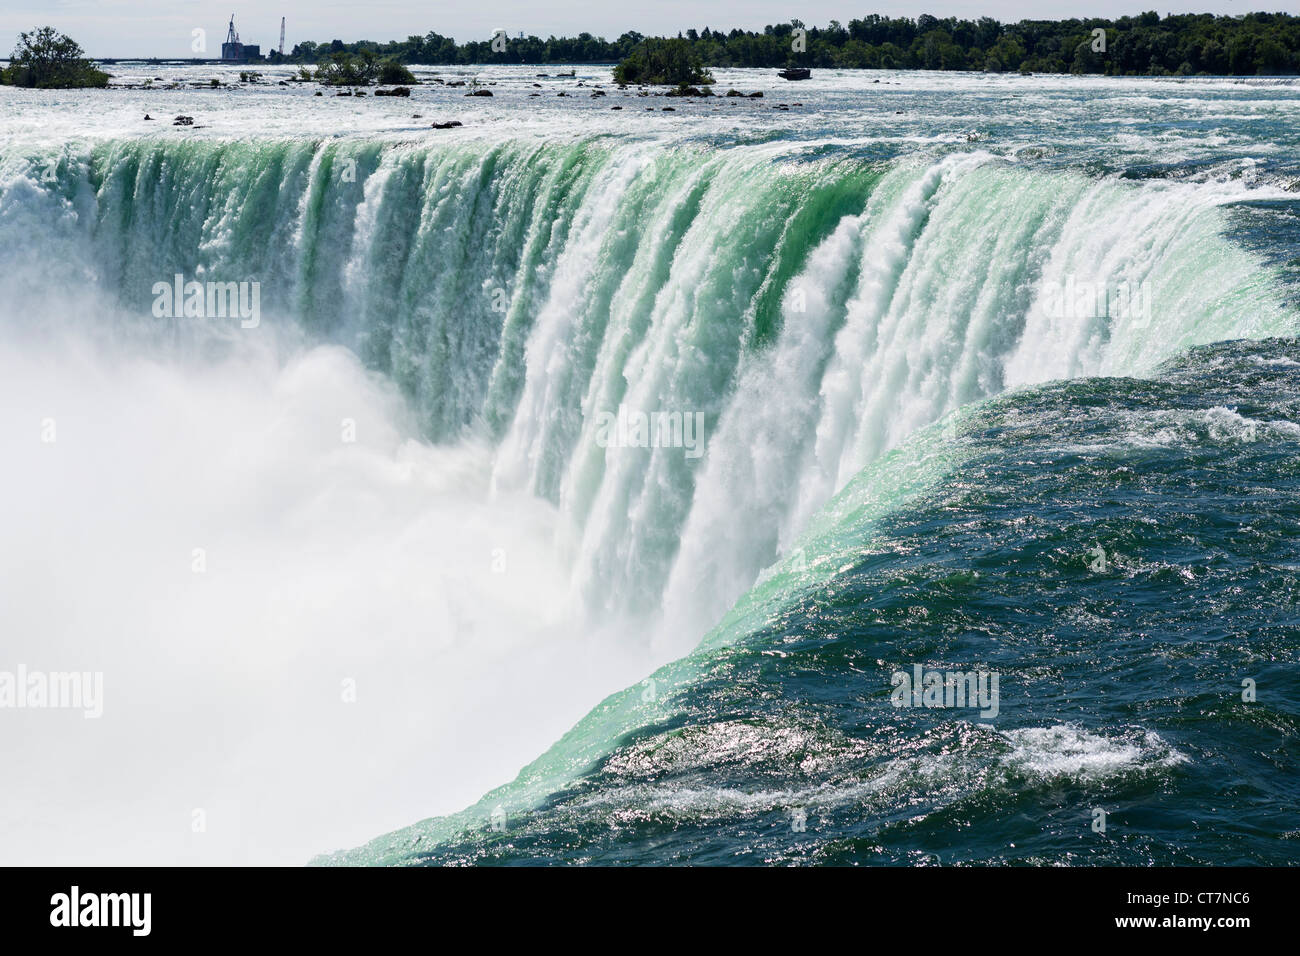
46 59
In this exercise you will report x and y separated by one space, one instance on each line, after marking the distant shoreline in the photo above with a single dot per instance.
1249 44
608 64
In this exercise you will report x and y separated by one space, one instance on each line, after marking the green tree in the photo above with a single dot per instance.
659 61
1271 57
392 72
47 59
1085 60
1008 51
344 69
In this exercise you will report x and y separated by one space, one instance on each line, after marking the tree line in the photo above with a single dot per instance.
1144 45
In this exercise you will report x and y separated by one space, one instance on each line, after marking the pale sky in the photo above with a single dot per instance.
164 28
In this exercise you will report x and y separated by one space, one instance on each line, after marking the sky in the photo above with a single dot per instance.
165 28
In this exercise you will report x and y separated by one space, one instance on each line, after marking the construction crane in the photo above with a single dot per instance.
282 36
232 49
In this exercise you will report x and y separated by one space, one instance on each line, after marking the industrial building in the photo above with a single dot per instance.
235 51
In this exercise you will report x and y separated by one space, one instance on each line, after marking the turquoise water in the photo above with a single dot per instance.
1120 687
911 455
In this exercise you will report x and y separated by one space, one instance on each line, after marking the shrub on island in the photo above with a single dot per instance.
47 59
659 62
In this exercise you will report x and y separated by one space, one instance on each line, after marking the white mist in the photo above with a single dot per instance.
379 566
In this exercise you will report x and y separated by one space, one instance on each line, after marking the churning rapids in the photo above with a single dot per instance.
358 561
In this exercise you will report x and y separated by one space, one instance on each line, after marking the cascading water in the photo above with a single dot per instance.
815 313
816 310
